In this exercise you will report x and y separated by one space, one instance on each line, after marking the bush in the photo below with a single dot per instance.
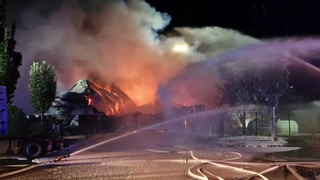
37 129
17 121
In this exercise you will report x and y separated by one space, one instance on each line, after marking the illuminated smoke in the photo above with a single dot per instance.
199 83
215 40
115 43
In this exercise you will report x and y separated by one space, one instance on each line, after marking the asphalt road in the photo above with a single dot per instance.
143 155
160 155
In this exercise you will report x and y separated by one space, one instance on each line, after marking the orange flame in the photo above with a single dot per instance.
110 99
89 101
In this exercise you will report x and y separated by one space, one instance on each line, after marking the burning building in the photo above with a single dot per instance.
87 97
106 104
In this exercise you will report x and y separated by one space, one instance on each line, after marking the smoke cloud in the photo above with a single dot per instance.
115 42
200 83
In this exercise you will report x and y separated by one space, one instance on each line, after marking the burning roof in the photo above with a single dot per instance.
107 98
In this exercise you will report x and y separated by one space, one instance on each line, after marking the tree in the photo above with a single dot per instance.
14 61
241 96
4 64
256 84
272 85
239 87
3 19
10 60
18 125
42 86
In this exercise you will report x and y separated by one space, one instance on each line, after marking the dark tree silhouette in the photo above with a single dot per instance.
10 59
256 84
15 61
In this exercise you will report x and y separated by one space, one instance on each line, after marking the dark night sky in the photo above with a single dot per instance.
259 18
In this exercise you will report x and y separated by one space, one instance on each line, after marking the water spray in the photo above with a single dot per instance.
182 118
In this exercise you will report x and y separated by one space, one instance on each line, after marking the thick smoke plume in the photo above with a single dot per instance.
115 43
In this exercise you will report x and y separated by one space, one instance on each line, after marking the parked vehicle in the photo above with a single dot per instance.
39 138
29 147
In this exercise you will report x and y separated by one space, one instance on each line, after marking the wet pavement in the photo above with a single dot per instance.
125 158
12 163
165 155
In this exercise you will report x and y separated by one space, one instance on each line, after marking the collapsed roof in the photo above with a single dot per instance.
107 98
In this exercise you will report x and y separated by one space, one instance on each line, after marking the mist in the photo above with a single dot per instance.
201 83
114 42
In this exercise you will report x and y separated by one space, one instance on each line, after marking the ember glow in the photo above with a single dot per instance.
89 100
